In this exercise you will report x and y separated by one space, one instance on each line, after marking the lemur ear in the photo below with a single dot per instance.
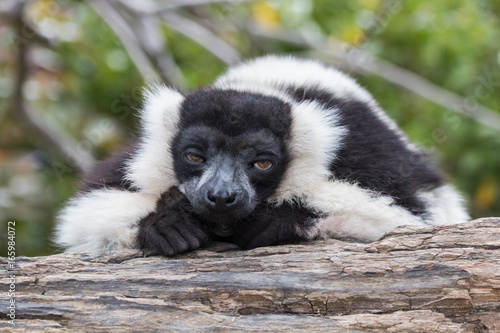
151 167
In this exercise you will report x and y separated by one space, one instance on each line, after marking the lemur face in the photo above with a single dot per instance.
231 154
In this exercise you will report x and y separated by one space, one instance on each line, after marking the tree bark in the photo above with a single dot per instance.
433 279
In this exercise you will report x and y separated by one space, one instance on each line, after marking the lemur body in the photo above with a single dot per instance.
277 149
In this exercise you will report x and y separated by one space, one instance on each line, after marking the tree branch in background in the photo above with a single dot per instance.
128 38
361 62
152 7
422 87
65 144
202 36
187 27
156 47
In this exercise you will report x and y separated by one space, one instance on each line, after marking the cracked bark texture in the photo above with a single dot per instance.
434 279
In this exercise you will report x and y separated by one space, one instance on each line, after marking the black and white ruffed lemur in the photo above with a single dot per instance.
276 150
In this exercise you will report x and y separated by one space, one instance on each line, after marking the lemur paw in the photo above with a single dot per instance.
269 234
263 231
171 230
274 225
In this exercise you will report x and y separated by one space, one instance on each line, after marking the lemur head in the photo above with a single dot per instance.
230 153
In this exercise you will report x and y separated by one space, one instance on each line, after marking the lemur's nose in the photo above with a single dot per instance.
221 201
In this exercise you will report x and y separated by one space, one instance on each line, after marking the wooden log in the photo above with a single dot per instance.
433 279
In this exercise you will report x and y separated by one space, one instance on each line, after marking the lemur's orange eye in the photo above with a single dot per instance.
194 158
263 165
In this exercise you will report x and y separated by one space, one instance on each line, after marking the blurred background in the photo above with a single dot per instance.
71 74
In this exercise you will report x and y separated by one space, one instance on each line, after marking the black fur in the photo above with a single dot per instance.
110 173
273 225
230 131
373 156
242 149
171 229
234 112
238 125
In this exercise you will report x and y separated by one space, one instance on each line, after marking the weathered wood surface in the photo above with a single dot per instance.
444 279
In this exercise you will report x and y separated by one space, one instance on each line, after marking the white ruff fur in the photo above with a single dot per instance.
353 212
445 206
151 169
102 220
315 139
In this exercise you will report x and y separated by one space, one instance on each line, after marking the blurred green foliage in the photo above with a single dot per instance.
87 85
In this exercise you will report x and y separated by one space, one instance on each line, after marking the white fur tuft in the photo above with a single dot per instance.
314 140
102 220
151 168
353 212
445 206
